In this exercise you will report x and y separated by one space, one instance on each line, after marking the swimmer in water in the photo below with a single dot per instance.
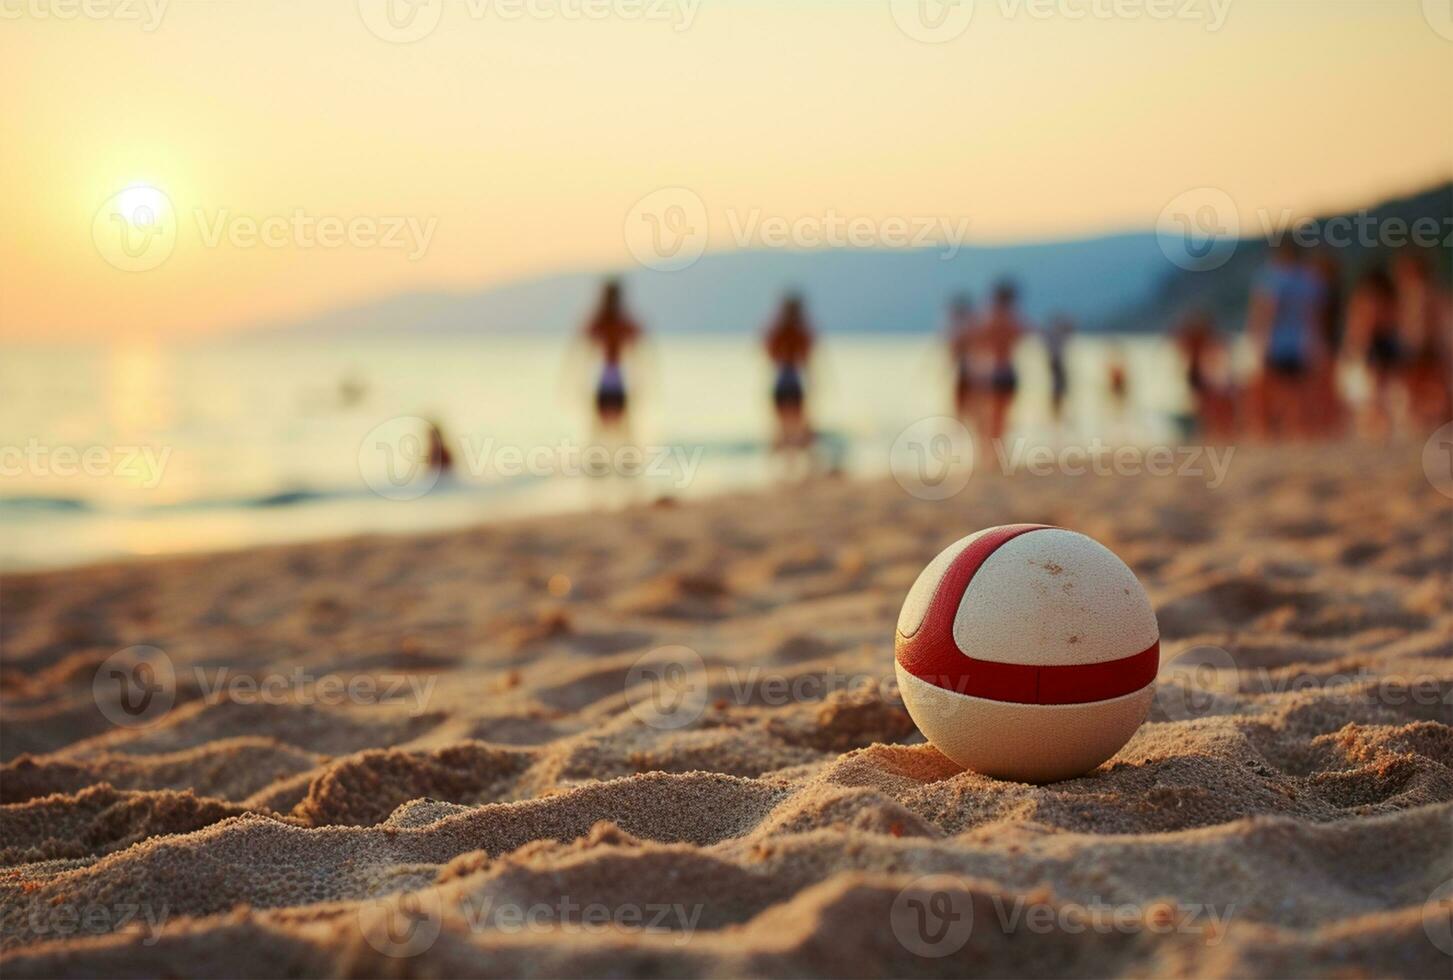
788 342
1000 333
612 331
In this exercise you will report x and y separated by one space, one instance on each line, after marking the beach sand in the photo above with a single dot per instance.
491 800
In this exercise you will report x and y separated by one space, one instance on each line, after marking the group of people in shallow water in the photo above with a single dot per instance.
1397 324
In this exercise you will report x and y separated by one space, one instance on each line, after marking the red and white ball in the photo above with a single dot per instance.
1027 652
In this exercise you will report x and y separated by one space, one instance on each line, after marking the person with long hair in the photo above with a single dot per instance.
614 334
789 341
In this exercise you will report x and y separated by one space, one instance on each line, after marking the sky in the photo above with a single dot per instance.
277 158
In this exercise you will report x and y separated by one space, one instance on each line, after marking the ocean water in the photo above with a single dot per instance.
149 448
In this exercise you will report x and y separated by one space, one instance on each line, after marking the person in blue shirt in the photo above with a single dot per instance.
1286 308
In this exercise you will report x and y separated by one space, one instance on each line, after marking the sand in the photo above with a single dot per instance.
501 800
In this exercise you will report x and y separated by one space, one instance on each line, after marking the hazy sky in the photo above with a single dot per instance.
515 137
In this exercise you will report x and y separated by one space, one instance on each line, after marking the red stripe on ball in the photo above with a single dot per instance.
931 655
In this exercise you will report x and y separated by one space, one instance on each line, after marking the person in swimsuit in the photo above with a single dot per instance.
611 331
962 339
1285 304
1000 334
1374 336
1425 315
1055 341
788 342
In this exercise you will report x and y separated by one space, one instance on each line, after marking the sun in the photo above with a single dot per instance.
143 204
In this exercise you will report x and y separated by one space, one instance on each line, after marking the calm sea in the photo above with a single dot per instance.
150 449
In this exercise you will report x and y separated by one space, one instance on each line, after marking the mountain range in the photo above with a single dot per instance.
1122 282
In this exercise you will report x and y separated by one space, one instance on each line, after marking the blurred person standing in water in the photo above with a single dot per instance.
789 341
612 333
1000 333
1282 323
1374 338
